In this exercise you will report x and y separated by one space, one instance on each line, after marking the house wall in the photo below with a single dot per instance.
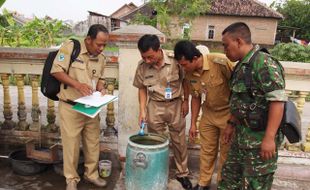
81 28
122 12
92 19
263 29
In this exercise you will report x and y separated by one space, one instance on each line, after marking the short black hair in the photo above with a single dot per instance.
95 29
185 49
239 29
148 41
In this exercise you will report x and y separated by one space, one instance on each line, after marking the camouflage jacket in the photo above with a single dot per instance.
268 85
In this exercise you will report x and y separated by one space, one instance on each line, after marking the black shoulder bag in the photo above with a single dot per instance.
291 122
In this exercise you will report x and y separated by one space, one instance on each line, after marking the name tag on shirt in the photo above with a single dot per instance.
168 93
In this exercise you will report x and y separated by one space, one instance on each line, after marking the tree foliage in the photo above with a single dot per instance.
2 2
291 52
297 14
36 33
184 10
143 19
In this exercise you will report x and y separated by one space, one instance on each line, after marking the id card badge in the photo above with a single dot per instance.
203 96
93 84
168 93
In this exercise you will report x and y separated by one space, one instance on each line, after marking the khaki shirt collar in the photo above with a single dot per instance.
205 66
249 55
83 47
166 59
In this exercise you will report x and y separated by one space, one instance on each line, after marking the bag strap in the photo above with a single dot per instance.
75 53
248 69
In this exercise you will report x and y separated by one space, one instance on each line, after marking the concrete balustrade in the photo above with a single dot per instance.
20 62
16 64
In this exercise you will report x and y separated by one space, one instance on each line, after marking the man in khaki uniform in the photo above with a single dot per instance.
86 75
159 80
208 78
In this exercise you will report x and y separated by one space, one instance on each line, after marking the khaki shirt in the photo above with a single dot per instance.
156 81
85 69
212 82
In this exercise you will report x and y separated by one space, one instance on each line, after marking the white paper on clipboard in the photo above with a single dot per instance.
96 99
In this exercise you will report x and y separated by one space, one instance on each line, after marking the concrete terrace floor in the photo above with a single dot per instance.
49 179
287 177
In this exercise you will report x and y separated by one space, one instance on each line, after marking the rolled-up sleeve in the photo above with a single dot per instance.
271 77
138 80
62 59
276 95
103 64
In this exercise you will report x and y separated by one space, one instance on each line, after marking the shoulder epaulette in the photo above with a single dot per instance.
220 60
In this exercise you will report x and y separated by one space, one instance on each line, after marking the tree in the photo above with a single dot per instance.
10 31
184 10
2 19
291 52
143 19
2 2
36 33
296 14
42 32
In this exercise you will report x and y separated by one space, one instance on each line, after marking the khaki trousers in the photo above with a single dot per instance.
163 114
211 130
75 127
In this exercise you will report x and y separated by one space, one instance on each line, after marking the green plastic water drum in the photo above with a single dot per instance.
147 162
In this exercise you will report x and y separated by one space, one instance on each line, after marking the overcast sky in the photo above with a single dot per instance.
75 10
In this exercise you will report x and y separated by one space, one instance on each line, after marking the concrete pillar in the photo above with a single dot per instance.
51 117
21 113
7 112
110 117
35 111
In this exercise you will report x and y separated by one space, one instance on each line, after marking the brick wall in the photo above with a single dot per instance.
263 29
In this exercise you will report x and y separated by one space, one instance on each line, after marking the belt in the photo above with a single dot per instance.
69 102
167 100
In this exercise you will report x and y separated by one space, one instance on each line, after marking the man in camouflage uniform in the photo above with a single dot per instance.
162 99
208 77
252 159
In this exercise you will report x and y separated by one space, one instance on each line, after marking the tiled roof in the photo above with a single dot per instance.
144 9
250 8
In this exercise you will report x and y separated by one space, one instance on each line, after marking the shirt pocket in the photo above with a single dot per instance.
215 82
174 81
217 94
78 72
149 82
94 72
239 87
173 77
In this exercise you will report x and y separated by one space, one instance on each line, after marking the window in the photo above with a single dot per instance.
186 31
210 32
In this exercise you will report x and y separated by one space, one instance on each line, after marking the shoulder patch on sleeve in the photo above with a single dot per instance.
61 57
220 60
66 48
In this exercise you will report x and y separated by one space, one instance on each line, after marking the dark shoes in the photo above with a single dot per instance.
186 183
198 187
